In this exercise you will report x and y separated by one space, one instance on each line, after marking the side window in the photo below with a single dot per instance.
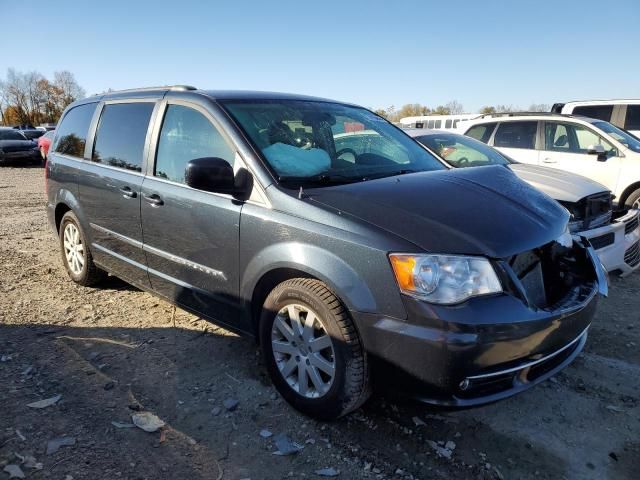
632 122
516 135
72 132
430 123
447 124
481 132
121 134
556 137
573 138
601 112
187 134
437 124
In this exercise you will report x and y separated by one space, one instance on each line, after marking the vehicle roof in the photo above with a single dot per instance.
213 94
517 116
621 101
423 132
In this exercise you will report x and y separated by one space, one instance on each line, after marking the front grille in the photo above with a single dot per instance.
552 276
632 255
631 225
603 240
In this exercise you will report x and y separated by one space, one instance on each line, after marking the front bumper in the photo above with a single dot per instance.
484 349
618 243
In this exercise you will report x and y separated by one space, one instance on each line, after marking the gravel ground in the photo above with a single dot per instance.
113 351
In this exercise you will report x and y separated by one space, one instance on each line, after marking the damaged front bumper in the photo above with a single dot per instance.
618 243
486 348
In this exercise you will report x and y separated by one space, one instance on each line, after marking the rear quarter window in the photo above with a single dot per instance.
71 136
632 121
601 112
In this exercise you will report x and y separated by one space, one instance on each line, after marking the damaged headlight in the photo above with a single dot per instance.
444 279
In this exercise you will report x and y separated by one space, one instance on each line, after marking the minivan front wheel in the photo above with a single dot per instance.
312 350
633 200
76 255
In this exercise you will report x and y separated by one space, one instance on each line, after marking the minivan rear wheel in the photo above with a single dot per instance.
76 255
312 350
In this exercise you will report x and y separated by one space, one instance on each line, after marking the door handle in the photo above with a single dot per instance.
549 160
127 192
154 200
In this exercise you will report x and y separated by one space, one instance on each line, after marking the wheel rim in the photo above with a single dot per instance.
636 204
73 248
303 351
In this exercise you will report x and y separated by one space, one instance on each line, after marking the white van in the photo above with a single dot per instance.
437 122
622 113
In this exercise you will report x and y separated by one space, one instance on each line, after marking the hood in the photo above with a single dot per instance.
559 185
16 145
475 211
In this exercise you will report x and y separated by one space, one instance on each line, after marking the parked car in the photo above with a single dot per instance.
589 147
621 113
438 122
44 142
31 132
613 234
15 148
336 261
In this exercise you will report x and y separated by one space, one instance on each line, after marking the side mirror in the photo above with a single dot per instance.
599 151
213 174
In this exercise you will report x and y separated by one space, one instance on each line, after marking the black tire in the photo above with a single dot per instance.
90 274
350 385
632 199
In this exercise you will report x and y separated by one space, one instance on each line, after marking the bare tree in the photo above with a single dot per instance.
454 107
539 107
31 99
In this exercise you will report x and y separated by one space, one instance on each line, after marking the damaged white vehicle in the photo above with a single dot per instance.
614 234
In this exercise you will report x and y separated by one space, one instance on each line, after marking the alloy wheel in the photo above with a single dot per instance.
73 248
303 351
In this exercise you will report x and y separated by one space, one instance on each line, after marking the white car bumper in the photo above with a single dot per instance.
617 244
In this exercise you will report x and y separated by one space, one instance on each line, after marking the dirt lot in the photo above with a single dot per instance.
113 350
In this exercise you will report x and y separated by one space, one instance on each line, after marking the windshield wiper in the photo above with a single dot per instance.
322 179
389 174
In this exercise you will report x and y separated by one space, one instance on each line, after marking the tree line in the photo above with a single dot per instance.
452 108
31 98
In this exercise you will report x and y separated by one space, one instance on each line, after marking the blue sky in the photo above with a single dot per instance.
372 53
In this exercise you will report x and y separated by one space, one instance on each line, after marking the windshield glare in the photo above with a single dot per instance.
321 142
460 151
625 138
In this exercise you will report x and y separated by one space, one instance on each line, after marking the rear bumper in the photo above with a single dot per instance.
484 350
620 250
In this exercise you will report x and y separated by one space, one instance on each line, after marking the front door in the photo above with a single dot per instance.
191 237
566 147
110 189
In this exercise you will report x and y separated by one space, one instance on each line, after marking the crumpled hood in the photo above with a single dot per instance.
476 211
559 185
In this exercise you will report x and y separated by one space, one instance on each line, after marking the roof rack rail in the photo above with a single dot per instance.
522 114
178 88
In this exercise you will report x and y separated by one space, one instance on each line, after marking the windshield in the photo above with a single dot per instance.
460 151
11 135
625 138
324 143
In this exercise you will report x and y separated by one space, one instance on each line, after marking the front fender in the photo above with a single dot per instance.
315 261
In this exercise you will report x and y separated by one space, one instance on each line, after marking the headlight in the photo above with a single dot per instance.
444 279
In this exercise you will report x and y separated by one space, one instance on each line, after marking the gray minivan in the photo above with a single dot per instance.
248 209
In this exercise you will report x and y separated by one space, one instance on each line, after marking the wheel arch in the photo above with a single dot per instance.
628 191
278 263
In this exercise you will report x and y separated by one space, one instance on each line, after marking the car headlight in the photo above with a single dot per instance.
444 279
